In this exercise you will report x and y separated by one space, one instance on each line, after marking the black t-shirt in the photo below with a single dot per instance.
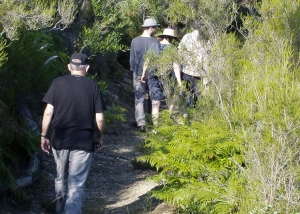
76 100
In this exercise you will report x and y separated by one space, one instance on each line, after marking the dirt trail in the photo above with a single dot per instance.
114 186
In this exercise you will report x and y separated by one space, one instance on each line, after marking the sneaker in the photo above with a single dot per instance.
153 131
142 128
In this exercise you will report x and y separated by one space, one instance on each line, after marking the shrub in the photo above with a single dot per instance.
198 165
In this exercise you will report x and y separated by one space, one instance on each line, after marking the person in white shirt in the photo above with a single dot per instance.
194 49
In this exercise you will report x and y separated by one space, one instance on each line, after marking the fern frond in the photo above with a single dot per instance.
198 164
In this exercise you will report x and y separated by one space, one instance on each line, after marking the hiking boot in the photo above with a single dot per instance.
153 131
133 124
142 128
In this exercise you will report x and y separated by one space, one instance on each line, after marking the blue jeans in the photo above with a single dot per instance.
140 90
72 169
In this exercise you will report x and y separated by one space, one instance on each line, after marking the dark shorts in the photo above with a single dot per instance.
193 80
155 87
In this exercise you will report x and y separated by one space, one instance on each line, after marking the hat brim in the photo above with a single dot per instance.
150 25
160 35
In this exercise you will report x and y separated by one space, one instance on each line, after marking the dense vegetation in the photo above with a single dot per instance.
236 152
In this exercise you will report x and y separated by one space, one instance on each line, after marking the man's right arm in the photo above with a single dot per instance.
48 113
131 59
145 66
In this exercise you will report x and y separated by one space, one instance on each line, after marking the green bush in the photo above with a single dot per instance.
255 89
16 145
198 164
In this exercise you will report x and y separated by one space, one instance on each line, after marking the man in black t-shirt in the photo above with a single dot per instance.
74 102
138 49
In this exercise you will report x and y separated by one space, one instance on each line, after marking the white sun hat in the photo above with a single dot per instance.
168 32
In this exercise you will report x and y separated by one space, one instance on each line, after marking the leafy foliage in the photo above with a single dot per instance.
200 158
11 151
266 108
29 62
216 14
3 54
114 115
25 78
254 88
106 31
236 152
30 14
136 11
103 38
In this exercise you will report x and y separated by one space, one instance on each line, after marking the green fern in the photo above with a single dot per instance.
199 165
114 115
12 151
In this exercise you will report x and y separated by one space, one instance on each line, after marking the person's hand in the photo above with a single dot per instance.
180 87
143 78
98 144
182 90
45 145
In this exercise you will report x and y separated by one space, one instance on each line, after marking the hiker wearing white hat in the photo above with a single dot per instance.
168 32
138 48
154 82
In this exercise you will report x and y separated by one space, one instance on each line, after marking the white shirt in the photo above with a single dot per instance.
195 54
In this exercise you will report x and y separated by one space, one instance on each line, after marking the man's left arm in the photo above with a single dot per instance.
101 126
145 66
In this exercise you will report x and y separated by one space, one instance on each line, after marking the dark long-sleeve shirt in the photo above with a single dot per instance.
138 49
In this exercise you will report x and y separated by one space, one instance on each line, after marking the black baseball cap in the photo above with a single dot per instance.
78 59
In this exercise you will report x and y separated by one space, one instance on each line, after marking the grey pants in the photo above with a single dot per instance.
72 169
140 90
